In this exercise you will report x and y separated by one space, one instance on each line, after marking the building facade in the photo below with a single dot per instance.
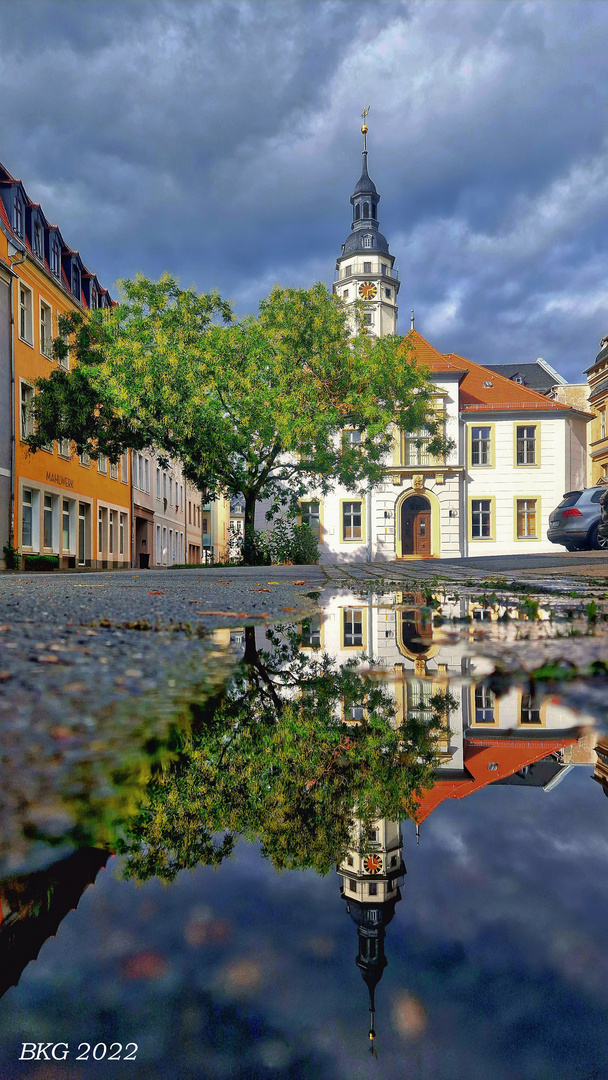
52 502
597 378
515 451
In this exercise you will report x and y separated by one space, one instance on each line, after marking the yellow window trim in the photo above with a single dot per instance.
524 423
363 610
524 539
313 648
359 539
321 526
483 723
492 462
543 713
482 539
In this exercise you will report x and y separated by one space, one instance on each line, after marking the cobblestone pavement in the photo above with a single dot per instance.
566 567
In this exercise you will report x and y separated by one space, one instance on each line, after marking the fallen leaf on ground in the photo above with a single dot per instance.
274 583
289 609
155 592
259 590
304 581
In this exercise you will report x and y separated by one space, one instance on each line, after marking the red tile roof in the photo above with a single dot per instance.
510 755
501 393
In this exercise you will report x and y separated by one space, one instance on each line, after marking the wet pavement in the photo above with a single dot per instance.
337 819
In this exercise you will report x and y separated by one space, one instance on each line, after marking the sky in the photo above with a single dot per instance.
220 141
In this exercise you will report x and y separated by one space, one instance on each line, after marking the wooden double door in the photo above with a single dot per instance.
416 526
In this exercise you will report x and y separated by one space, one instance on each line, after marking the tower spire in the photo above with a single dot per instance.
364 128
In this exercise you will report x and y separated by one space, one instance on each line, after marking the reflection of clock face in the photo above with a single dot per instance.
372 864
367 290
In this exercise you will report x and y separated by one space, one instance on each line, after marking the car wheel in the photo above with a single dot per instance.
599 543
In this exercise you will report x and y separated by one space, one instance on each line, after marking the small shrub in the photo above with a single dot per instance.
12 558
40 562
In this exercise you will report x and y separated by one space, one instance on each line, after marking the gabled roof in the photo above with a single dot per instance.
481 388
508 755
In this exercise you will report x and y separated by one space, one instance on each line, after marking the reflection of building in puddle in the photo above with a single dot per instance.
372 874
601 766
33 905
525 729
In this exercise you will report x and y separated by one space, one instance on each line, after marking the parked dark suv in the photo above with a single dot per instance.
602 532
575 522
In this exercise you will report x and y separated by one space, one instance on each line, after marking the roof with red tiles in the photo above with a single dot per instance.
481 389
507 755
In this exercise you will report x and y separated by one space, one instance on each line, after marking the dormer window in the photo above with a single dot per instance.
75 280
55 260
93 297
18 216
368 241
365 210
38 239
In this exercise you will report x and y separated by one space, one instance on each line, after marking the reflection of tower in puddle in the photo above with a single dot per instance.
372 873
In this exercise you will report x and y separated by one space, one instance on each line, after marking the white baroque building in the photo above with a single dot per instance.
515 453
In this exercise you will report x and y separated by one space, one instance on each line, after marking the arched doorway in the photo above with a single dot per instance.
416 526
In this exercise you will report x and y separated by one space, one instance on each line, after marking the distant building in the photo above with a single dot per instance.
597 377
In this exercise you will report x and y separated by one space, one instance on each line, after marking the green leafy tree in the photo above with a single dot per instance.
259 406
274 760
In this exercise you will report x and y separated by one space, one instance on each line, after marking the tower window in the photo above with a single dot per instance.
387 293
367 267
348 271
368 241
365 210
373 211
357 212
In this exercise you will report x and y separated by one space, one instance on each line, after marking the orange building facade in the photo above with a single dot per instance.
53 502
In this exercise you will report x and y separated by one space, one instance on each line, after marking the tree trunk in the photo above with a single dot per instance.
249 550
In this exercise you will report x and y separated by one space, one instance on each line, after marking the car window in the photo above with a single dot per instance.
597 495
569 498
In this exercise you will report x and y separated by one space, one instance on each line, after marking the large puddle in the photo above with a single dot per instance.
378 844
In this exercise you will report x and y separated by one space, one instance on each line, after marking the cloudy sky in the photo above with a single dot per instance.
220 141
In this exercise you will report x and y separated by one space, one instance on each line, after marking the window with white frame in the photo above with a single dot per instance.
100 530
147 474
48 521
85 458
27 517
481 519
27 419
353 626
111 532
484 705
124 468
55 257
603 424
157 482
18 215
352 520
311 632
311 516
46 331
481 446
25 314
526 444
65 525
527 527
63 448
102 464
529 710
158 545
38 240
76 280
415 448
121 533
114 470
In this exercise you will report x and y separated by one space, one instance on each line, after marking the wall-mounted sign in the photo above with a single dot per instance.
61 481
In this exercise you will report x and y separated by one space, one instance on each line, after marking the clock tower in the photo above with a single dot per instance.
365 269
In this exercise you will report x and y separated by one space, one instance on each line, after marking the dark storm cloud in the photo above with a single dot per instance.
220 141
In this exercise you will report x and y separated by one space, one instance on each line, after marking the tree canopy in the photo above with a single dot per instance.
274 759
258 406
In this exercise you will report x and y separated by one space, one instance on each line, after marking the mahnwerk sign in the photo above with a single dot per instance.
61 481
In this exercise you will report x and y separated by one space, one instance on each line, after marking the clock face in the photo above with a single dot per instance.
372 864
367 290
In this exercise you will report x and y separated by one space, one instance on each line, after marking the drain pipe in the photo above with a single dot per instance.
368 511
13 263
